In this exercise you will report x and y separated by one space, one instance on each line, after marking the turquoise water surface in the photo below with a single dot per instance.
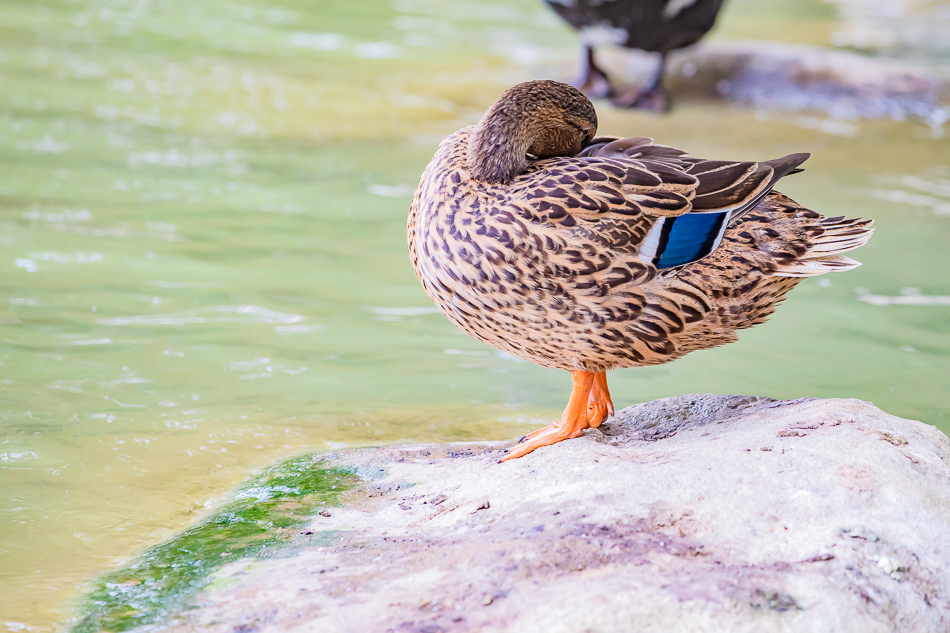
203 265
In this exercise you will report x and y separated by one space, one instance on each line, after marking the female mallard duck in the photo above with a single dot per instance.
658 26
590 254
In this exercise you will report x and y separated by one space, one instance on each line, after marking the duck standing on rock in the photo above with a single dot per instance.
658 26
595 253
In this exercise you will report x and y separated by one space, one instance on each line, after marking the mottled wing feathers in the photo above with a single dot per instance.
775 169
658 193
601 185
631 147
721 185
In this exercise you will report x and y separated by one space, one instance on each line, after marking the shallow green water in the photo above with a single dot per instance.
203 263
261 519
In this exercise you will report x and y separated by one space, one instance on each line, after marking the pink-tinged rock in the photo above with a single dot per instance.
695 513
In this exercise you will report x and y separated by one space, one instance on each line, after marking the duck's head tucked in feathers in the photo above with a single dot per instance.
536 119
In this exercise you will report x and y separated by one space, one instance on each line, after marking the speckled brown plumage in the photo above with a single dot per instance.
556 263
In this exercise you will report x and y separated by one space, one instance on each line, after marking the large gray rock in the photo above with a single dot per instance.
843 84
770 75
696 513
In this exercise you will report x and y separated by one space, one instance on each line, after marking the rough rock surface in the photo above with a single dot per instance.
695 513
842 84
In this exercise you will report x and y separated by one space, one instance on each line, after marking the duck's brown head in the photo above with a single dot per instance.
536 119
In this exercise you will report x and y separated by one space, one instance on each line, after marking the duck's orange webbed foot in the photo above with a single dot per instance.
572 424
599 406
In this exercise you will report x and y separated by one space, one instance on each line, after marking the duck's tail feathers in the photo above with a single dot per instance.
831 238
780 167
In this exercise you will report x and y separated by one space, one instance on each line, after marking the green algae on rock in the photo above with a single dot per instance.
257 522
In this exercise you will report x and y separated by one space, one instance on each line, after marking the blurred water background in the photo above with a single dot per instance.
203 264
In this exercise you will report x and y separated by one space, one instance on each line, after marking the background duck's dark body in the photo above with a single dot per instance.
658 26
650 25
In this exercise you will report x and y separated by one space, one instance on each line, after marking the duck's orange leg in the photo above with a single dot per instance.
573 420
599 406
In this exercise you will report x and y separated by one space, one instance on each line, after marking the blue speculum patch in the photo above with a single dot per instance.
689 237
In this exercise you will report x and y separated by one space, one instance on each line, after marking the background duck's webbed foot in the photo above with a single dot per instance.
572 423
653 100
651 96
591 80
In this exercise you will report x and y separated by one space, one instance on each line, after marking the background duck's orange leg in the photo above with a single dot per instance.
599 406
573 420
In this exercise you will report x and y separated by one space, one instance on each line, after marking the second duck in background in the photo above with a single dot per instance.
657 26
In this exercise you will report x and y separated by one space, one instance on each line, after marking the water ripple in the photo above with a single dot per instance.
929 191
397 314
18 456
908 297
212 314
261 367
317 41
